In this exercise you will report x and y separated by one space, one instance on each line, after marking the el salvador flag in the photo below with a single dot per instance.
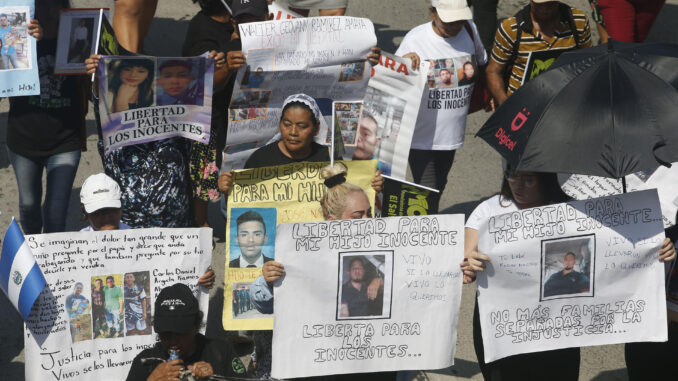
20 276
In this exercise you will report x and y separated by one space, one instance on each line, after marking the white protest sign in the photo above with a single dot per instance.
367 295
664 179
323 57
96 315
574 274
389 113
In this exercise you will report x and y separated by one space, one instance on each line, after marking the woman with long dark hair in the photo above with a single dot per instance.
130 83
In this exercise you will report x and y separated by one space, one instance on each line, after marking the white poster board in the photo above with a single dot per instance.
574 274
324 325
322 57
68 335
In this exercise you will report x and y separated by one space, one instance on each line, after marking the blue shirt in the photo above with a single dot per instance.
3 36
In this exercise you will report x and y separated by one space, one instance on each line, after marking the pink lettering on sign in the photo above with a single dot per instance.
505 139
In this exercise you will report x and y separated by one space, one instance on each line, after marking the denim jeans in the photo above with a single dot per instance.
61 169
6 60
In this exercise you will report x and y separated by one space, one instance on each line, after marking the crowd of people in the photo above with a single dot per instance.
169 183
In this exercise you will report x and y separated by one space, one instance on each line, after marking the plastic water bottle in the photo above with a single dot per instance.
174 354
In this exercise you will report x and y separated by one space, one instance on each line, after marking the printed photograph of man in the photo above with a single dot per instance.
14 43
251 245
446 78
114 307
100 327
180 82
80 321
352 71
368 140
242 303
364 286
81 39
567 268
137 304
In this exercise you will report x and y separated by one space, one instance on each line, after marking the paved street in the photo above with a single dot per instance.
476 174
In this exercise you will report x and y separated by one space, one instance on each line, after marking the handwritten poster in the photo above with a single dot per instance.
96 314
388 114
574 274
18 57
143 99
261 199
663 179
323 57
367 295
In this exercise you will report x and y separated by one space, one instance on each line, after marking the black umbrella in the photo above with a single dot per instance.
604 111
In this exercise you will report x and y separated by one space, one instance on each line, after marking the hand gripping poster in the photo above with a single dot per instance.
386 120
97 312
143 99
259 200
323 57
367 295
18 59
571 275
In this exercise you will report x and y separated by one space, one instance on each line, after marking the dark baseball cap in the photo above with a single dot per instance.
176 309
257 8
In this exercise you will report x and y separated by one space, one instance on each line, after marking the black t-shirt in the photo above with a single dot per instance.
205 34
224 360
271 155
49 123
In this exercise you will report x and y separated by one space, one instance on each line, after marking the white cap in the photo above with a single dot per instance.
544 1
452 10
100 191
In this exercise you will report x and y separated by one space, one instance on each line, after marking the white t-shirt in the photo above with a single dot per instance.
441 122
488 208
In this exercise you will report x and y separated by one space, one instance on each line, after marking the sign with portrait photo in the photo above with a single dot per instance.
96 314
367 295
574 274
258 201
18 58
143 99
76 41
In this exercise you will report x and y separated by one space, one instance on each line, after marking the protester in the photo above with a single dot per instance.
299 124
441 122
325 7
342 201
544 25
177 323
130 84
521 190
102 208
131 21
211 29
627 20
46 131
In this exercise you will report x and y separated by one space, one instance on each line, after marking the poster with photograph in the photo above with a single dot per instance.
574 274
389 113
346 116
259 200
97 312
143 99
403 198
18 57
324 58
385 295
663 179
76 40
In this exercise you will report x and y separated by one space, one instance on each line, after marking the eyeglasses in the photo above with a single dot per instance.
528 181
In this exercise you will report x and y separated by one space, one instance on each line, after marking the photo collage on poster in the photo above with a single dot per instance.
254 95
452 72
15 44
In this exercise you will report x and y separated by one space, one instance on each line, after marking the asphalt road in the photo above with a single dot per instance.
475 176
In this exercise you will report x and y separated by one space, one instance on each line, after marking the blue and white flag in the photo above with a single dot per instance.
20 277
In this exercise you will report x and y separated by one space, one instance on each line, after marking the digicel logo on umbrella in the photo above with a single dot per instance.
518 122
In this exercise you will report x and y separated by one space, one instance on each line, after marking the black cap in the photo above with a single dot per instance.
257 8
176 310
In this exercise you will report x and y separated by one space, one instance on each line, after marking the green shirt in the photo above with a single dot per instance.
113 296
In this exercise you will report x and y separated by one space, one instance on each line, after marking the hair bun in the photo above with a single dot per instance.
335 180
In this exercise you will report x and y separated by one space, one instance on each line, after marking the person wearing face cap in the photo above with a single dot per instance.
440 126
177 323
101 206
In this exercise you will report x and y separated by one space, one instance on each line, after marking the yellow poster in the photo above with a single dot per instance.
258 201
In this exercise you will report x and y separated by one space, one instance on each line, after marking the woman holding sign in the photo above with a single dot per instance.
521 190
299 124
342 201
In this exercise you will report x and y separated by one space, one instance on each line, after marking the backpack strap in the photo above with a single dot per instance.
566 10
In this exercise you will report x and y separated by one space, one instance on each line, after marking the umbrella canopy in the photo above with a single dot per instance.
611 110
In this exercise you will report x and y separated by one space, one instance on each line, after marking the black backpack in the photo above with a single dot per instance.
521 17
